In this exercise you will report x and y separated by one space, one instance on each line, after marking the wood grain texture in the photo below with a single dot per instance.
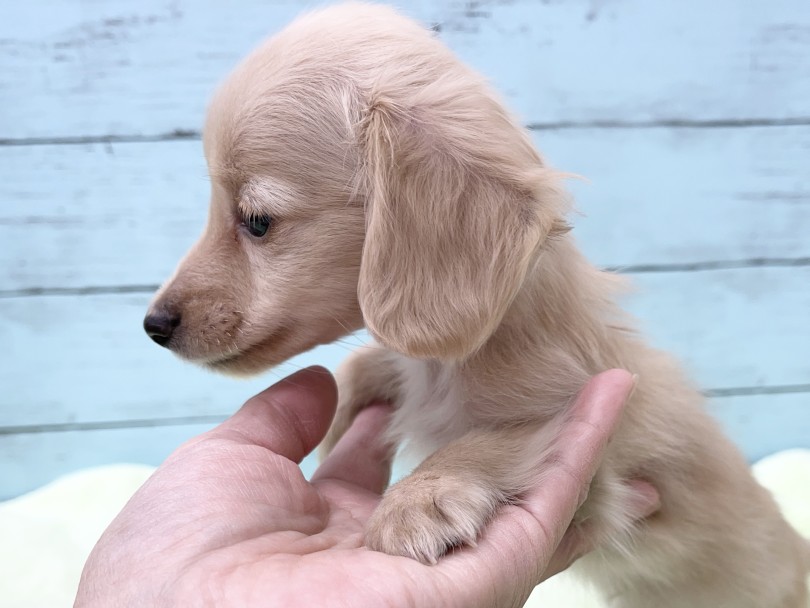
765 424
86 359
123 214
731 328
29 460
147 67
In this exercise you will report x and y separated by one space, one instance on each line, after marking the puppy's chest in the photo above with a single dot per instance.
434 408
439 403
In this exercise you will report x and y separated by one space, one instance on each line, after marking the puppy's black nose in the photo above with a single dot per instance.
160 324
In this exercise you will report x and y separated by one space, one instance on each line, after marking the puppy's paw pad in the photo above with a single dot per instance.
422 519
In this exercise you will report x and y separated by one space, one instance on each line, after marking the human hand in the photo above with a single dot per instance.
229 519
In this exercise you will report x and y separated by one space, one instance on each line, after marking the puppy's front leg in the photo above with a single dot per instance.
449 498
369 374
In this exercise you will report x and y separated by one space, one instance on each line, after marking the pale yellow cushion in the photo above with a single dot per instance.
47 534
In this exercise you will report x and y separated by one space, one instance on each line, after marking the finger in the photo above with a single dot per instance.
361 457
520 542
290 418
580 445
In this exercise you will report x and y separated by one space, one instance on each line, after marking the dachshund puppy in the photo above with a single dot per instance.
362 176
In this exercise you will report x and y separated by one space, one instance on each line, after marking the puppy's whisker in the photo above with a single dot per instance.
346 345
341 323
350 335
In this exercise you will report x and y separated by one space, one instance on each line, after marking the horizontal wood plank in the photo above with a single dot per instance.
687 196
147 67
75 216
86 360
79 360
763 425
731 328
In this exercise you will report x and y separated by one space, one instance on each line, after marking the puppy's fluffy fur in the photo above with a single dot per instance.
404 197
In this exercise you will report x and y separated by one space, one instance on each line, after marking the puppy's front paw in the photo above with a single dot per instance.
424 515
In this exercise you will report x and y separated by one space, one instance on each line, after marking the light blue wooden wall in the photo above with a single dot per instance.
690 119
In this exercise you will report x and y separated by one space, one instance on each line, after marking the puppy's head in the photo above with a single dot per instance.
360 175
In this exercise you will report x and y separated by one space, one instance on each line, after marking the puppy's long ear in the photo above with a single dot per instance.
453 222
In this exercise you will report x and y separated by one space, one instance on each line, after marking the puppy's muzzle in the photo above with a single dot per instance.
160 324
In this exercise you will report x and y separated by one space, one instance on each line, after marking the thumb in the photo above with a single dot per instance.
290 418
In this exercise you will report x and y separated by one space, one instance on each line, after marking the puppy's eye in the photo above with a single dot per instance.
258 225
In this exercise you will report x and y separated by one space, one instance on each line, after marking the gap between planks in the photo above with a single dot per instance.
93 290
187 134
716 393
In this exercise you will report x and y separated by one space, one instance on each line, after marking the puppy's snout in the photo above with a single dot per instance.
160 323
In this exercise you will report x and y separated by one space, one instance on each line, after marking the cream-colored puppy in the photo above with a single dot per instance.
362 176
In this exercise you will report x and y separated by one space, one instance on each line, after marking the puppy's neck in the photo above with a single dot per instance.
563 325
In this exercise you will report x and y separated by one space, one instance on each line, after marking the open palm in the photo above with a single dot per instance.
229 519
